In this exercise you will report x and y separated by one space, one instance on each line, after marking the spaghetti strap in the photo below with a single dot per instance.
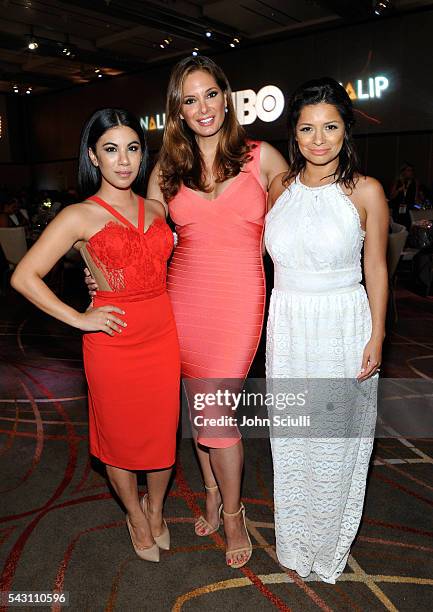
114 212
141 214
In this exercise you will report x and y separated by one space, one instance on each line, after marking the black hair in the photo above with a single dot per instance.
89 177
329 91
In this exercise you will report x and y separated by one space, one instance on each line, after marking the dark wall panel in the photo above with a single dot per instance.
399 48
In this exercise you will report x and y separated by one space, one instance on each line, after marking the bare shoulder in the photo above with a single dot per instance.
266 148
269 155
368 187
157 208
368 194
75 213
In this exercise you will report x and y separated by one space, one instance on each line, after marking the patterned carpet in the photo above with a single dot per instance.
60 529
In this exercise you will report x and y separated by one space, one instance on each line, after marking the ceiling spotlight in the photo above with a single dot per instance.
100 75
381 6
208 34
97 70
32 44
195 51
234 42
66 51
15 88
167 41
162 46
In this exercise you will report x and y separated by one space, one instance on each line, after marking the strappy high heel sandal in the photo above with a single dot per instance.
147 553
246 549
163 540
202 522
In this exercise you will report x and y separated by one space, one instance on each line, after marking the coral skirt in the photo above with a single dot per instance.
133 380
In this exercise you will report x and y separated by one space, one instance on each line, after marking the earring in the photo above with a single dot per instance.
226 109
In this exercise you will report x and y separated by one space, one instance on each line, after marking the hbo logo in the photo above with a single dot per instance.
267 104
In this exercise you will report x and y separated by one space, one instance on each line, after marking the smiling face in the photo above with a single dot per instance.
203 103
118 156
320 133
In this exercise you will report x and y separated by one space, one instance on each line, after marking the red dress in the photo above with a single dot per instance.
217 287
133 377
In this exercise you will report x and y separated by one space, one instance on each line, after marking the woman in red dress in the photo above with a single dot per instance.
215 183
131 350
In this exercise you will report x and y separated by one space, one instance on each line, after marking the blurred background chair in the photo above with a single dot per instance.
418 215
396 242
14 246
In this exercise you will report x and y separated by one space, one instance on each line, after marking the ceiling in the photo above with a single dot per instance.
84 40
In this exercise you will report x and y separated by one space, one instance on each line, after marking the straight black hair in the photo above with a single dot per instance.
89 177
329 91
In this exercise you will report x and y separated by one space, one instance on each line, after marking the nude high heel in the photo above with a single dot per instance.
163 540
147 553
202 522
246 549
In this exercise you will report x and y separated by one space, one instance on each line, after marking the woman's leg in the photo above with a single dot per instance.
213 496
227 465
157 483
124 483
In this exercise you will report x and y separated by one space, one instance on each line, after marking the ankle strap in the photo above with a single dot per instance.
211 488
241 509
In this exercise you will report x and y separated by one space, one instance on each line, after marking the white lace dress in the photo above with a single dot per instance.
319 322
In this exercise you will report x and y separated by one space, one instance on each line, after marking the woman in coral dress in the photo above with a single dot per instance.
324 328
131 350
215 184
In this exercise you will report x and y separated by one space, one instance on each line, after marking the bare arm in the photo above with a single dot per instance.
60 235
370 196
153 189
272 163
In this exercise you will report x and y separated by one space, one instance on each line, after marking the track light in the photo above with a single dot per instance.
32 44
166 42
235 42
195 51
381 6
208 34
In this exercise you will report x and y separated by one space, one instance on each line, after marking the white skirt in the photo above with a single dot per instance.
319 477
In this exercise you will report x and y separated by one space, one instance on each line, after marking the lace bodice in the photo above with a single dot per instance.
129 258
315 230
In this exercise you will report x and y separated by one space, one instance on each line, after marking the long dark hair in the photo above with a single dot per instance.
180 160
89 177
329 91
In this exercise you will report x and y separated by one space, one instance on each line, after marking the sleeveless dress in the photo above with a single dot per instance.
133 376
216 284
319 323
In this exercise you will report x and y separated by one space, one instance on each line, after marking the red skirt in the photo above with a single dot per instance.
133 380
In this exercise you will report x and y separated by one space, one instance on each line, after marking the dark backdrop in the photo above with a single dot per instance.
394 127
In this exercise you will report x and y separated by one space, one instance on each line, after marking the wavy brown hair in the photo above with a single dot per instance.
329 91
180 159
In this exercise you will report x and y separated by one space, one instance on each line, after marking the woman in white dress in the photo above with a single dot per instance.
322 326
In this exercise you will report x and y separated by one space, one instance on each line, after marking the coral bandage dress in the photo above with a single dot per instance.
216 282
133 376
